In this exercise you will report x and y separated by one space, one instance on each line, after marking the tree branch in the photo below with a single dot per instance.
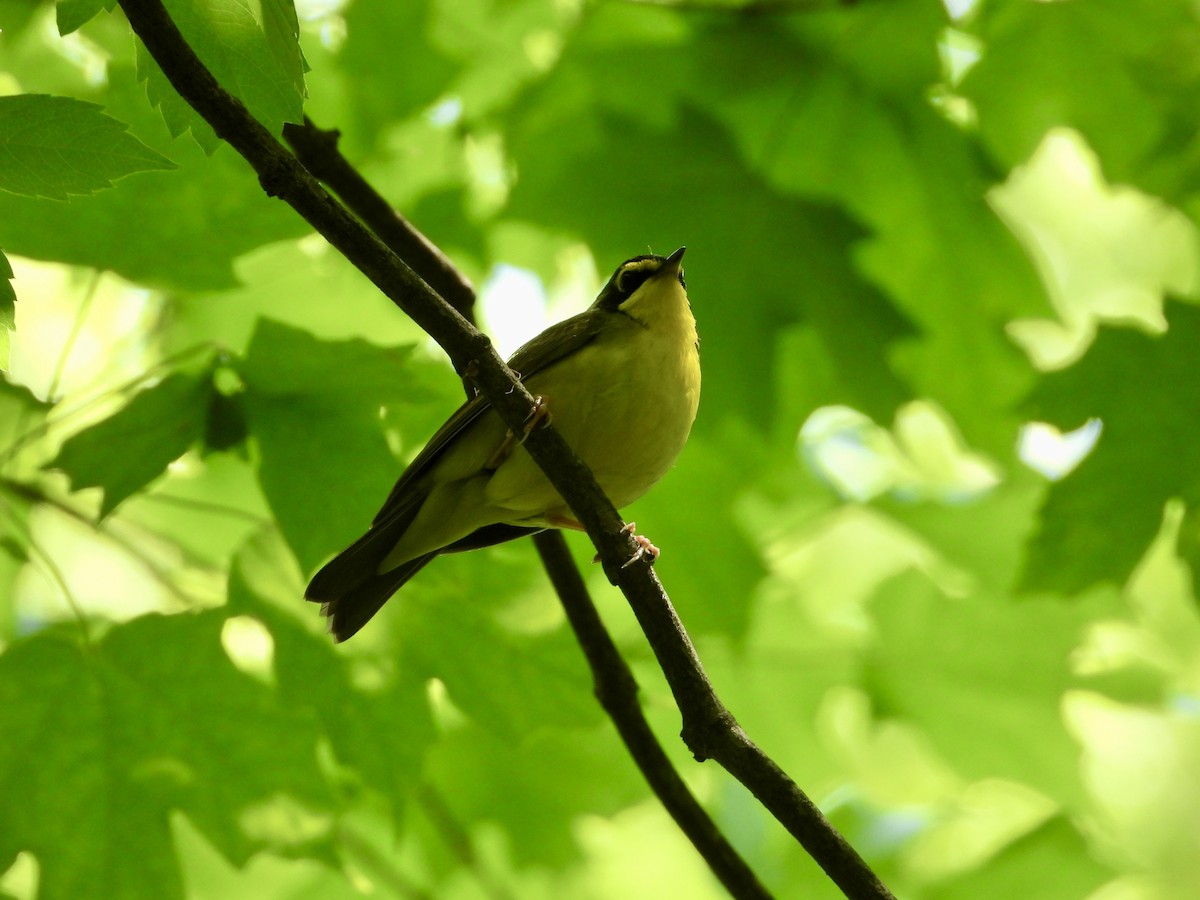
709 729
617 691
318 150
614 684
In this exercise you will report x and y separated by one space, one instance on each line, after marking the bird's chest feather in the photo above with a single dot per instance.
626 405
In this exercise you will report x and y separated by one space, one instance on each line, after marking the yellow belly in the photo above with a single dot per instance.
625 405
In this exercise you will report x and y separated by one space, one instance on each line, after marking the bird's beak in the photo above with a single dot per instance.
673 262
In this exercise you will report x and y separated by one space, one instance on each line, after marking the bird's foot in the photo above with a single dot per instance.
539 417
501 453
645 547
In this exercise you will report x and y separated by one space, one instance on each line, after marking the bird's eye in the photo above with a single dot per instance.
631 279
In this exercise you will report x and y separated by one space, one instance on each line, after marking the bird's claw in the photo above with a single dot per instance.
645 547
539 417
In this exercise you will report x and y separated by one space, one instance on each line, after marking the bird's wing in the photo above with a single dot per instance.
543 351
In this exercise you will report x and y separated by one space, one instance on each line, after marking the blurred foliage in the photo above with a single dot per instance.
935 534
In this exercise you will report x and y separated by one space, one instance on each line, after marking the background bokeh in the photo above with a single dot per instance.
935 533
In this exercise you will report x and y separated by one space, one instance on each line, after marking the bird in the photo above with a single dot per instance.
621 383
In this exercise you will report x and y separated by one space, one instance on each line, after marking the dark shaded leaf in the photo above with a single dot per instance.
125 452
1145 389
315 409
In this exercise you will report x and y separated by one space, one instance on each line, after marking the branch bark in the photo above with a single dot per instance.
709 729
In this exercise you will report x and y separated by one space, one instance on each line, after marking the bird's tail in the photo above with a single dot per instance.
350 587
353 608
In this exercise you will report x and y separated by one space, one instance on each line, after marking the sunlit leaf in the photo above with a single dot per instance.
55 146
103 741
989 698
252 50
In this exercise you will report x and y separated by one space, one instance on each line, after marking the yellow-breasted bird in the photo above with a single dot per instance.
621 381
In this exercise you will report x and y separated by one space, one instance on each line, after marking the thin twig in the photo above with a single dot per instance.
32 494
53 421
709 729
458 840
52 570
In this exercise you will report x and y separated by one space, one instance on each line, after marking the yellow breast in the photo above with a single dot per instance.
625 403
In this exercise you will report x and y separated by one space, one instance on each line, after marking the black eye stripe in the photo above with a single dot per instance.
628 277
631 279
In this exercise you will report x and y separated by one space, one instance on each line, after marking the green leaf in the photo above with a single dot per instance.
915 181
8 308
254 52
707 559
453 623
420 72
1052 861
314 408
737 337
1097 522
84 791
380 732
987 535
179 230
537 790
8 296
72 14
967 670
176 112
287 282
1090 66
55 146
102 742
125 452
